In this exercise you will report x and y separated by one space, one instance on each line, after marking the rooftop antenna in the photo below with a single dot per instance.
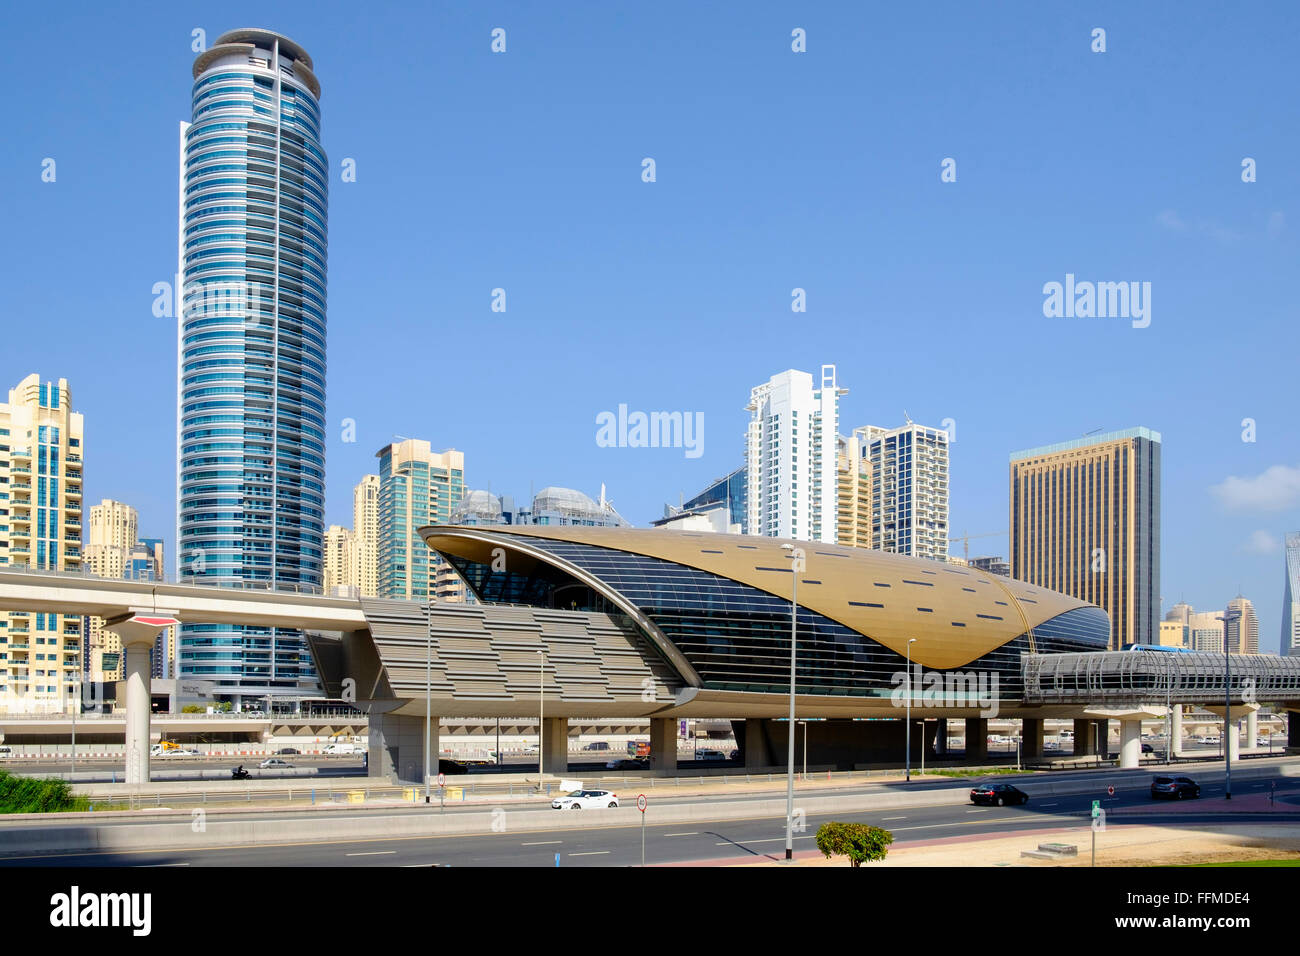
906 417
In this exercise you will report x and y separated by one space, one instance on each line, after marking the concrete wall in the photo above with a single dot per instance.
397 747
843 744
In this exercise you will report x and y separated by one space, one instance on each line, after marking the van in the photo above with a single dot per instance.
335 749
6 751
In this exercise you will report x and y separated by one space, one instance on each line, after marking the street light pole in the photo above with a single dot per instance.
796 567
428 694
1228 617
541 717
907 736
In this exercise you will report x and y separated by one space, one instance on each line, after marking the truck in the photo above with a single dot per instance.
337 749
638 748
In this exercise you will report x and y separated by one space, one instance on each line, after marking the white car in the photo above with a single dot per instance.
274 763
585 800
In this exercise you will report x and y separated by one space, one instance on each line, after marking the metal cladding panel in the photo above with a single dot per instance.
490 654
889 598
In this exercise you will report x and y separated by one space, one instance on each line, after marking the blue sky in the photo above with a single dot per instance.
775 170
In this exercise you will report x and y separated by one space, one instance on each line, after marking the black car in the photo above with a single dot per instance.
997 794
1174 788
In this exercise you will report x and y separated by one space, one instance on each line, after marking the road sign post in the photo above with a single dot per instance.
641 805
1096 812
442 791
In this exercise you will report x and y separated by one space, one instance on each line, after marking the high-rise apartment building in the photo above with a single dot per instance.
909 488
1291 597
115 550
40 526
1243 633
417 487
790 456
365 531
1085 520
853 494
340 561
251 350
1174 634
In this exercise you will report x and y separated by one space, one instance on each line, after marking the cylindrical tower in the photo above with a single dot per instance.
251 470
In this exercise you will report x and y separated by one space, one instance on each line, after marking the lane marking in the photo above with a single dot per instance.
592 853
373 853
542 843
744 843
1049 804
893 818
690 833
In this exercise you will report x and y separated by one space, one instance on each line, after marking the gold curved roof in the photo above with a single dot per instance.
957 614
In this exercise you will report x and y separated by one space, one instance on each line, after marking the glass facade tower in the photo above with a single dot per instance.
251 352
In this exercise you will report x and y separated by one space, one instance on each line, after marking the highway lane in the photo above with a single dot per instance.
679 842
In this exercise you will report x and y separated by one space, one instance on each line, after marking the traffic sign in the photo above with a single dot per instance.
1096 809
1110 791
442 780
640 802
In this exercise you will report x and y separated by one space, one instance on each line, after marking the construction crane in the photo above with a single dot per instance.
965 541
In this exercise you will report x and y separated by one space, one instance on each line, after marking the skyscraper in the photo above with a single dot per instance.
111 532
417 487
1243 633
853 494
909 489
1291 597
40 458
790 456
340 561
1085 520
251 350
365 530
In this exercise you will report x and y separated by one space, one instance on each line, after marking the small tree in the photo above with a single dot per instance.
191 709
859 842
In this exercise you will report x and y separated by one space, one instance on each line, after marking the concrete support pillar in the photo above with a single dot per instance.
1252 730
1130 743
397 747
137 713
1083 738
977 739
758 749
1293 730
1176 732
663 743
555 745
1031 735
941 737
1232 738
1103 738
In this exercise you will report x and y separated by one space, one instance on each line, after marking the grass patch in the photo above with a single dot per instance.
975 772
38 795
1250 863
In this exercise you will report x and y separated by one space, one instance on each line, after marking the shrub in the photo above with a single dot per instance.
191 709
37 795
859 842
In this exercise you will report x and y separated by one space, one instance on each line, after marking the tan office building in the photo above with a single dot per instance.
1085 521
365 531
1243 633
111 532
40 514
853 496
340 561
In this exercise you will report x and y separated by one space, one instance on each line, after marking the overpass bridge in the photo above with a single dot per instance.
509 660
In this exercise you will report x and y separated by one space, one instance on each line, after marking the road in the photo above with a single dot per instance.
697 842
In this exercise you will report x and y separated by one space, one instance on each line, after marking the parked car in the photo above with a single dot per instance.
288 750
597 745
709 755
274 763
585 800
997 794
1174 788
